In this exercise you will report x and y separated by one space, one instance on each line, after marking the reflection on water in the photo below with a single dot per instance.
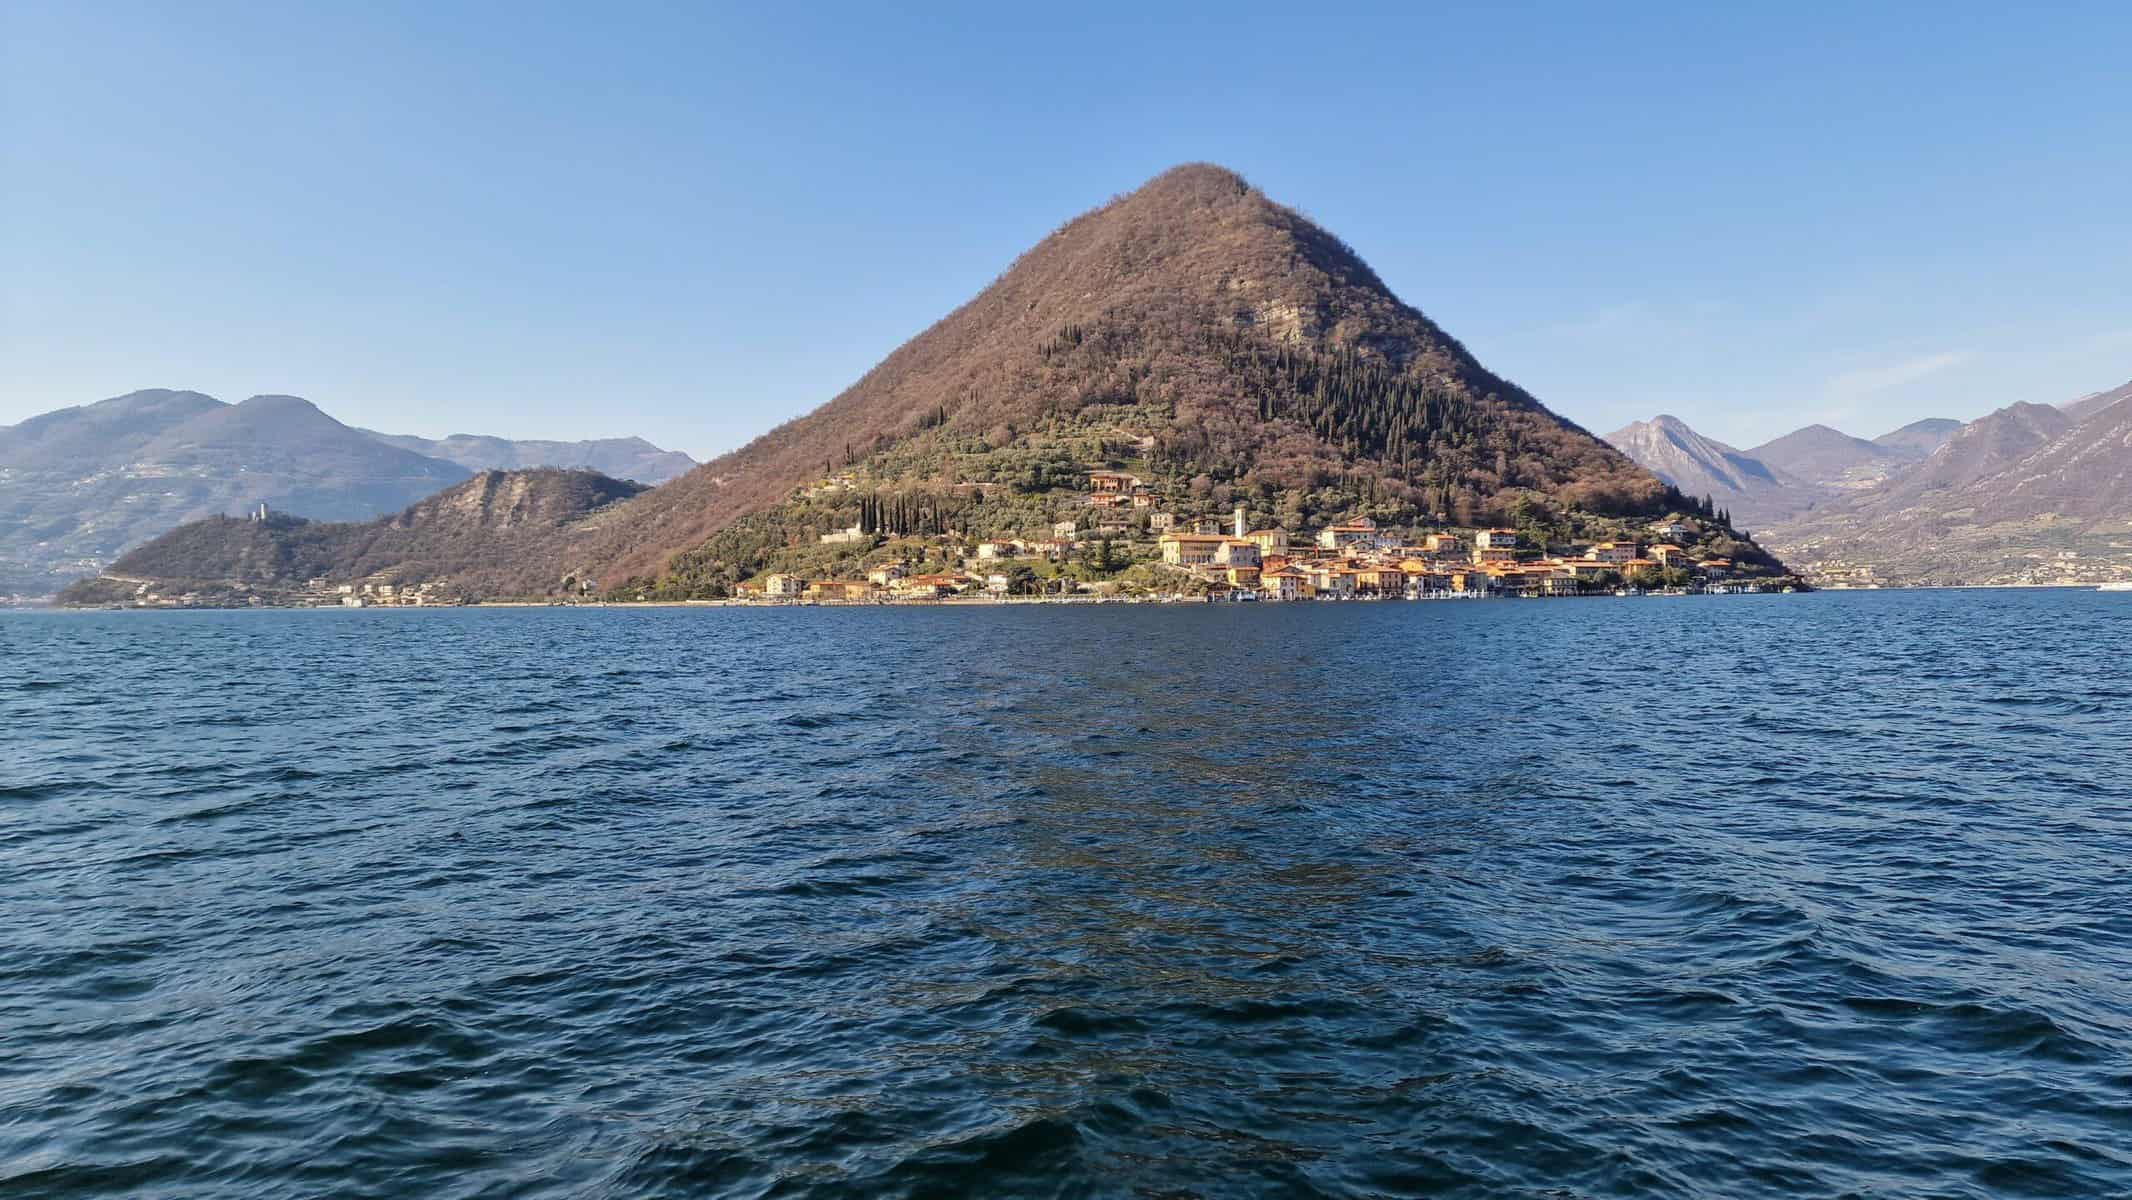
1811 896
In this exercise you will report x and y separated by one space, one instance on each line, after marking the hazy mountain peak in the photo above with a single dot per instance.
1919 439
622 458
275 405
158 397
1827 457
1670 448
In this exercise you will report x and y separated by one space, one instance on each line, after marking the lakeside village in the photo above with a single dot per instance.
1121 549
1210 558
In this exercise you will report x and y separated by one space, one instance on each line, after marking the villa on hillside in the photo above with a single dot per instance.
1499 546
1347 533
1191 549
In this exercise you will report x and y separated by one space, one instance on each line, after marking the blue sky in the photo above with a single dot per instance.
694 222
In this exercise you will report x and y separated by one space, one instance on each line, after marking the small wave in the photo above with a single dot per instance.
1079 1021
1976 1028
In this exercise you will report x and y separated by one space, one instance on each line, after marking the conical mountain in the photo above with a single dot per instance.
1226 337
1219 347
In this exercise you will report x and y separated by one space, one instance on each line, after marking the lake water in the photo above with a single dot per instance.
1818 895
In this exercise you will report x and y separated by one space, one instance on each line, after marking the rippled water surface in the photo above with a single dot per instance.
1791 896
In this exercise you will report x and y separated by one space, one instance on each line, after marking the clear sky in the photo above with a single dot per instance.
692 222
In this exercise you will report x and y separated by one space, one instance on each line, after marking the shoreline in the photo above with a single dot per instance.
1014 602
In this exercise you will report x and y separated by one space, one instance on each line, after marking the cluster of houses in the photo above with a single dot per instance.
315 593
1356 558
322 593
1352 559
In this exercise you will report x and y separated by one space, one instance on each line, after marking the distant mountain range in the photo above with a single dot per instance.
621 458
1752 489
476 533
79 486
1199 346
2027 494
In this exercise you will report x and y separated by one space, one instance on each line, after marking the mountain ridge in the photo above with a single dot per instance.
631 458
1744 485
83 484
1919 439
2027 493
458 535
1826 457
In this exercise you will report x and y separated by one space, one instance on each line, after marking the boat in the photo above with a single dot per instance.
2122 585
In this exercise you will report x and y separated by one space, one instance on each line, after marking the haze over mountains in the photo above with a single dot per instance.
1220 346
2028 494
629 458
78 486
